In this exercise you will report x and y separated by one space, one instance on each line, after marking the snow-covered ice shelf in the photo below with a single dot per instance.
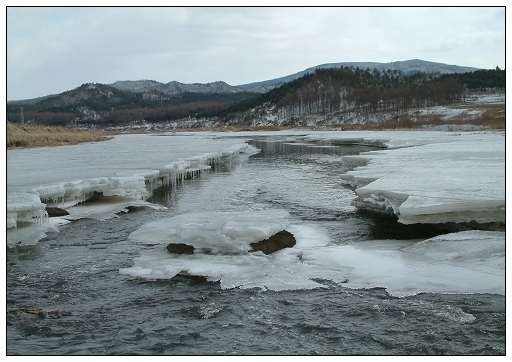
433 178
129 167
420 176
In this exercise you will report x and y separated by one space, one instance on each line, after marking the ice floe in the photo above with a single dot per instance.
465 262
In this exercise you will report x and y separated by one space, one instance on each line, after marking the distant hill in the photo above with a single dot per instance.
22 102
406 67
97 103
338 91
171 88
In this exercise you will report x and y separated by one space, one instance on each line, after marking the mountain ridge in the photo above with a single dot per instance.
329 95
405 66
175 87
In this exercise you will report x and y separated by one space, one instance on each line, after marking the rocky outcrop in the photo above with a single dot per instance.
56 211
180 248
281 240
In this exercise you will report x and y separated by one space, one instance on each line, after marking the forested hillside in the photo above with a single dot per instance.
346 90
343 92
101 105
480 80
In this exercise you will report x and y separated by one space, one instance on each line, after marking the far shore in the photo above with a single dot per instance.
29 136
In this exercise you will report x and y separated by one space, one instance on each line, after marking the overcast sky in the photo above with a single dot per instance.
51 50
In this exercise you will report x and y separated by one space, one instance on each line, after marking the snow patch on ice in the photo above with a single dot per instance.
227 236
466 262
493 98
219 233
448 113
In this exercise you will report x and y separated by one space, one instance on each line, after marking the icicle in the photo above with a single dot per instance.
41 217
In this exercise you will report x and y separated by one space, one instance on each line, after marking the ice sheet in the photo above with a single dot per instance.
466 262
128 166
105 208
422 176
218 233
125 155
29 232
228 260
455 178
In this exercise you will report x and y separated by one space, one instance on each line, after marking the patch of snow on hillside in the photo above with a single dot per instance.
487 98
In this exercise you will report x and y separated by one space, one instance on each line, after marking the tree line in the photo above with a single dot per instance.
327 90
348 89
362 91
104 105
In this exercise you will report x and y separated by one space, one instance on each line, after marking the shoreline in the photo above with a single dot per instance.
31 136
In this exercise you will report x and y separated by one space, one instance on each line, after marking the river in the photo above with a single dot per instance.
105 312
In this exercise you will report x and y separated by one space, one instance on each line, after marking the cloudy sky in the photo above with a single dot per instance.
51 50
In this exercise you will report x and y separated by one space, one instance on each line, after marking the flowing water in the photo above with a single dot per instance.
105 312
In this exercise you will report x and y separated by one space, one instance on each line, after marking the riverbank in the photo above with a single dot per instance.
28 136
40 136
476 114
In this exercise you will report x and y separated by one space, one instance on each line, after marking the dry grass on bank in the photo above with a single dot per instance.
37 136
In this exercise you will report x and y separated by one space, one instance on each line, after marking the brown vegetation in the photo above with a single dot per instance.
36 136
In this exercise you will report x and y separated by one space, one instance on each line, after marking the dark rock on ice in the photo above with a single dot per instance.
56 211
281 240
180 248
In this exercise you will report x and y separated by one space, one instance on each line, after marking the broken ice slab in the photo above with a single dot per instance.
435 177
